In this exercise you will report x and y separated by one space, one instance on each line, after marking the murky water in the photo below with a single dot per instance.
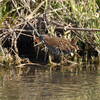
44 85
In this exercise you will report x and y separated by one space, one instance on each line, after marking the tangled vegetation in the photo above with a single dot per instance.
63 13
79 13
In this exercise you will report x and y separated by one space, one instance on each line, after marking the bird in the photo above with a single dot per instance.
56 47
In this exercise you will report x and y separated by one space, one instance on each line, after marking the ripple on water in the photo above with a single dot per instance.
52 86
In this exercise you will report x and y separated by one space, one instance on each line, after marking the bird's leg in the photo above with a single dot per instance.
37 53
62 58
52 64
50 61
46 51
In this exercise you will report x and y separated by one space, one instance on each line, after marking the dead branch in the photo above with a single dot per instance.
66 28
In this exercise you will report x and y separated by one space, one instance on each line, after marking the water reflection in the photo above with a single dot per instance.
44 85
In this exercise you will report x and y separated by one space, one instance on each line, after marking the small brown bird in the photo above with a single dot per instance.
57 46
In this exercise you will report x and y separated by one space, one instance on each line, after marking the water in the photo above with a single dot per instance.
44 85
